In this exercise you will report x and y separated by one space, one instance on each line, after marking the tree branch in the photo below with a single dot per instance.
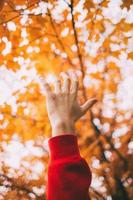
13 185
58 38
18 15
1 4
78 49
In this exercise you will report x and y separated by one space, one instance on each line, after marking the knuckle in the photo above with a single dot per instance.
65 93
73 94
58 93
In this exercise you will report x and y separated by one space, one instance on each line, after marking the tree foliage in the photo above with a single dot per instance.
43 38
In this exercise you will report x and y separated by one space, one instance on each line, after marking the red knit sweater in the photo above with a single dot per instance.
69 175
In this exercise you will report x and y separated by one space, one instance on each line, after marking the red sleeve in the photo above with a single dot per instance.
69 175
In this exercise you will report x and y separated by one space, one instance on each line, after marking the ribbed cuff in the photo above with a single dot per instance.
62 146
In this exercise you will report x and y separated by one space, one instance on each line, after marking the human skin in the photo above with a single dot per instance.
62 105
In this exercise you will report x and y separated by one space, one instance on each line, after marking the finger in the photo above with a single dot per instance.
66 82
88 104
46 87
74 82
57 86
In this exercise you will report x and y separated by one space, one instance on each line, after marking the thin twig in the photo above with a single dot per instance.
58 38
14 185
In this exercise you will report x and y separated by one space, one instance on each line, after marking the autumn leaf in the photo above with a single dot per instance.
43 38
127 4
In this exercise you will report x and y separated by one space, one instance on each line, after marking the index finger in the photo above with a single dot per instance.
46 86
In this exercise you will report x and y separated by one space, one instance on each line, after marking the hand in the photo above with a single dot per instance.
62 105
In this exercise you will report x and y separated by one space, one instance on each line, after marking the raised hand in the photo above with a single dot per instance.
62 105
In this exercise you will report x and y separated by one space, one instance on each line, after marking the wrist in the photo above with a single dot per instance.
62 128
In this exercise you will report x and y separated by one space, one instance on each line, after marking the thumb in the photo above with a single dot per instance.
88 104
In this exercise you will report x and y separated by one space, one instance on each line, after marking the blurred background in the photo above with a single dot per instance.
43 38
